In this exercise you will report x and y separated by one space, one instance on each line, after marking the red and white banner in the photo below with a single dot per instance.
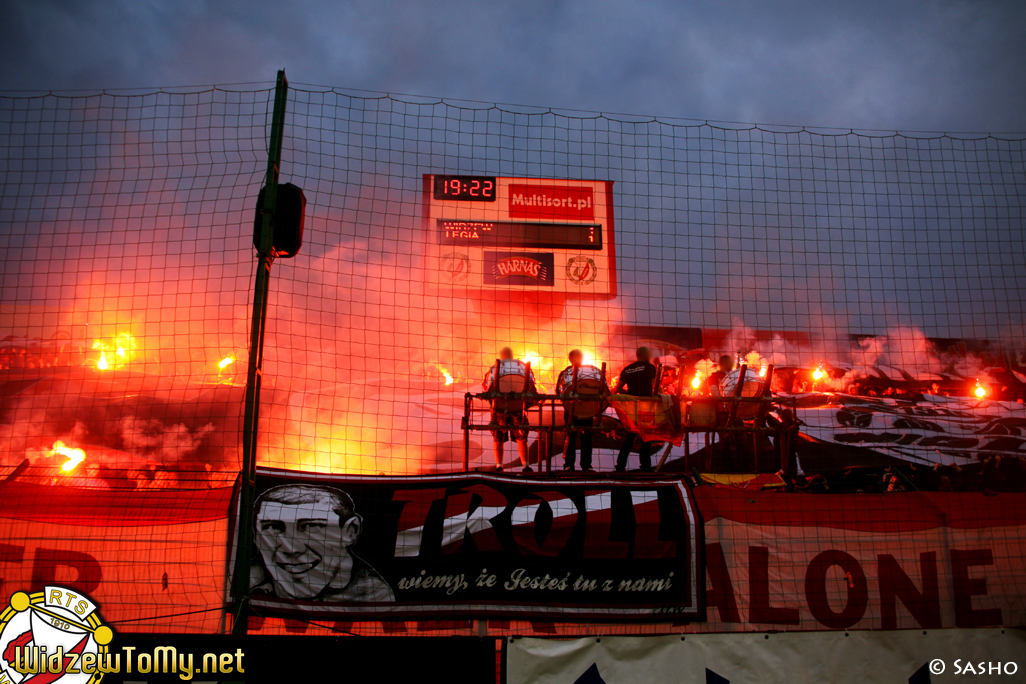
922 560
652 418
912 656
153 560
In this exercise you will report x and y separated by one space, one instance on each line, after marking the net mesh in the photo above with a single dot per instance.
859 250
125 291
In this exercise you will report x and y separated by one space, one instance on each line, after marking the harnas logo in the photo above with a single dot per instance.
519 268
53 635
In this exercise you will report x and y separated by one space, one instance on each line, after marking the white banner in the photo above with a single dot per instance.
918 560
814 578
923 429
862 657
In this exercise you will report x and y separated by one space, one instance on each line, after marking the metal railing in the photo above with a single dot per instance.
773 417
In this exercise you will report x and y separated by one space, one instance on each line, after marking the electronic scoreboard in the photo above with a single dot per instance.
529 234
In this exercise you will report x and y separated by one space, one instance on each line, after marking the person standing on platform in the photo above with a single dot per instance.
715 378
638 380
565 386
509 418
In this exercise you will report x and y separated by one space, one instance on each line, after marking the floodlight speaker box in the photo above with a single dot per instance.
290 214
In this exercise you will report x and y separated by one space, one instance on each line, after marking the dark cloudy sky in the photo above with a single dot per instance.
892 64
125 215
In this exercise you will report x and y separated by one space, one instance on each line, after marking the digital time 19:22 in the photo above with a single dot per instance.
479 188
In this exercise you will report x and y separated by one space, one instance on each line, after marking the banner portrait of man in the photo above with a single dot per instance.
304 534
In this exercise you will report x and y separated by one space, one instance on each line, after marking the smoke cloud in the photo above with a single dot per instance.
164 443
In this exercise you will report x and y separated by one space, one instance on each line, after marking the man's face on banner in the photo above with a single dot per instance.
302 545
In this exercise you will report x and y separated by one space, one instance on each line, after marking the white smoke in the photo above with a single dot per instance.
706 367
904 348
153 439
777 351
31 427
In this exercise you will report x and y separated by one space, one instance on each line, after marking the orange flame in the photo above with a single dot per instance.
980 391
74 456
121 348
762 372
541 368
696 382
448 377
818 373
226 361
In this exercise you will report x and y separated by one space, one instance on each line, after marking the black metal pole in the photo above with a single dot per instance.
265 257
467 420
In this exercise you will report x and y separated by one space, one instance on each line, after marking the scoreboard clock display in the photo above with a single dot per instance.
498 233
466 188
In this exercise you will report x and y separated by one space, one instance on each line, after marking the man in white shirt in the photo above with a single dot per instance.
515 421
565 388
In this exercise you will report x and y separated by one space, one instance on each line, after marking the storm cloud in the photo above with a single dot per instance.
938 66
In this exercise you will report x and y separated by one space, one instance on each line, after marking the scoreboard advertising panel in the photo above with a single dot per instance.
520 234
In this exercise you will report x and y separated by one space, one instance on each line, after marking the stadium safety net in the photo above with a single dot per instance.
881 275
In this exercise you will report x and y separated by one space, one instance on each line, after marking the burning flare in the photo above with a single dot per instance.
121 348
226 361
818 373
448 377
541 368
533 359
74 456
979 391
762 372
696 381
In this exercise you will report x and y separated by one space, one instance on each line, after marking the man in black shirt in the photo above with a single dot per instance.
638 380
